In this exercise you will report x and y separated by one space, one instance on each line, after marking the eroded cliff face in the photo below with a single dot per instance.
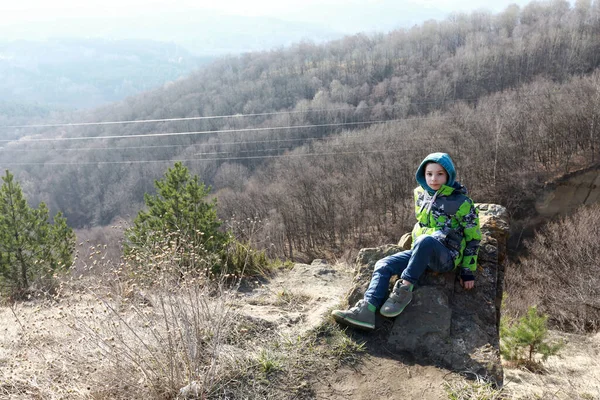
568 193
446 325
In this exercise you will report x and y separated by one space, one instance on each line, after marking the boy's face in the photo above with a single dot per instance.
435 175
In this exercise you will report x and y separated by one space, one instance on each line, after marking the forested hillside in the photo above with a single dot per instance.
14 113
320 142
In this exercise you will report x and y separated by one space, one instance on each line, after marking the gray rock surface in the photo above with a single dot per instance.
446 325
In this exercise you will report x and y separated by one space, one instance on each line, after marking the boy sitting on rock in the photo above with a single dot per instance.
445 237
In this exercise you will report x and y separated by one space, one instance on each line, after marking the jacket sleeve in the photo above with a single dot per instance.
472 232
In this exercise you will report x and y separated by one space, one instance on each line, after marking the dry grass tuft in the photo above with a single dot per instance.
473 390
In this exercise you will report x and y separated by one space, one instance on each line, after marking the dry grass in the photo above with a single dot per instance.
115 332
462 389
292 300
109 336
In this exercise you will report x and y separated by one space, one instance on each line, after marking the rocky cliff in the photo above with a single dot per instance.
569 192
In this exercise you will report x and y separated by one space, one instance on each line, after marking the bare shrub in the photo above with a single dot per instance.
561 273
152 340
165 332
104 239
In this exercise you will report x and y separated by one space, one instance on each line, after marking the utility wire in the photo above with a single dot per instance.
211 159
217 144
315 110
130 162
3 149
163 134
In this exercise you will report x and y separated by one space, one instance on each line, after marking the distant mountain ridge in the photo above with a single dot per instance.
84 73
202 34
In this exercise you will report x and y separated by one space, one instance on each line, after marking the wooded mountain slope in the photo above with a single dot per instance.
322 141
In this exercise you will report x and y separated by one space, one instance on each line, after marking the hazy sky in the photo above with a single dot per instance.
28 9
347 15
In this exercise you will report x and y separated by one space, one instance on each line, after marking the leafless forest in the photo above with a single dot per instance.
314 146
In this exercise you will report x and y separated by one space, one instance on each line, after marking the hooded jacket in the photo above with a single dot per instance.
448 215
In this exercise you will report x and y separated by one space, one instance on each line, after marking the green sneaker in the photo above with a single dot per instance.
399 298
361 316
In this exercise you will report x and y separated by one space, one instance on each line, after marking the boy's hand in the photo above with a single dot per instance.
468 285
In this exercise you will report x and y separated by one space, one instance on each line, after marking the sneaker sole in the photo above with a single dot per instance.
394 314
352 322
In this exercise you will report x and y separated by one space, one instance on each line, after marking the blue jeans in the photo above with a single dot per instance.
410 265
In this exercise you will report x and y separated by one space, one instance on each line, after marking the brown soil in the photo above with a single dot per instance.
32 366
379 375
384 378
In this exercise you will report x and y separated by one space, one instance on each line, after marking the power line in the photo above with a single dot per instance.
211 159
317 140
217 144
349 108
222 158
163 134
143 121
306 140
3 149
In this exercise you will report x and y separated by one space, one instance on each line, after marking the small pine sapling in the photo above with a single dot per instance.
522 340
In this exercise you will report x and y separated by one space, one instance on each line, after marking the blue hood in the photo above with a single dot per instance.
445 161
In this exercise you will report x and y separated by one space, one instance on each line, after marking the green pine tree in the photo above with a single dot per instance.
522 341
178 219
31 249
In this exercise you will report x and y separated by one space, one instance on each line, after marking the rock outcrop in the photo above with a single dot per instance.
446 325
566 194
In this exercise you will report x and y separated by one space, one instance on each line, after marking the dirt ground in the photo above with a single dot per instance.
575 374
298 299
293 301
384 378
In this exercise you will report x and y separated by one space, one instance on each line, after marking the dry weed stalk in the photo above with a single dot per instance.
151 328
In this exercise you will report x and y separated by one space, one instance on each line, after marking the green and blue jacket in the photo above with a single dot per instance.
448 215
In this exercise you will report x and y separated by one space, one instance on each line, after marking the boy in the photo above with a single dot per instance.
445 237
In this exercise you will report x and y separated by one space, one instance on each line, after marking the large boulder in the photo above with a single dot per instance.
446 325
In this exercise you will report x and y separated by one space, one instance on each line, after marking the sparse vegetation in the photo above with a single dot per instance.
473 390
268 362
133 335
292 299
242 260
521 341
346 349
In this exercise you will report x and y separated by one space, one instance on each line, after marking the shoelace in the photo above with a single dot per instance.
398 289
356 308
